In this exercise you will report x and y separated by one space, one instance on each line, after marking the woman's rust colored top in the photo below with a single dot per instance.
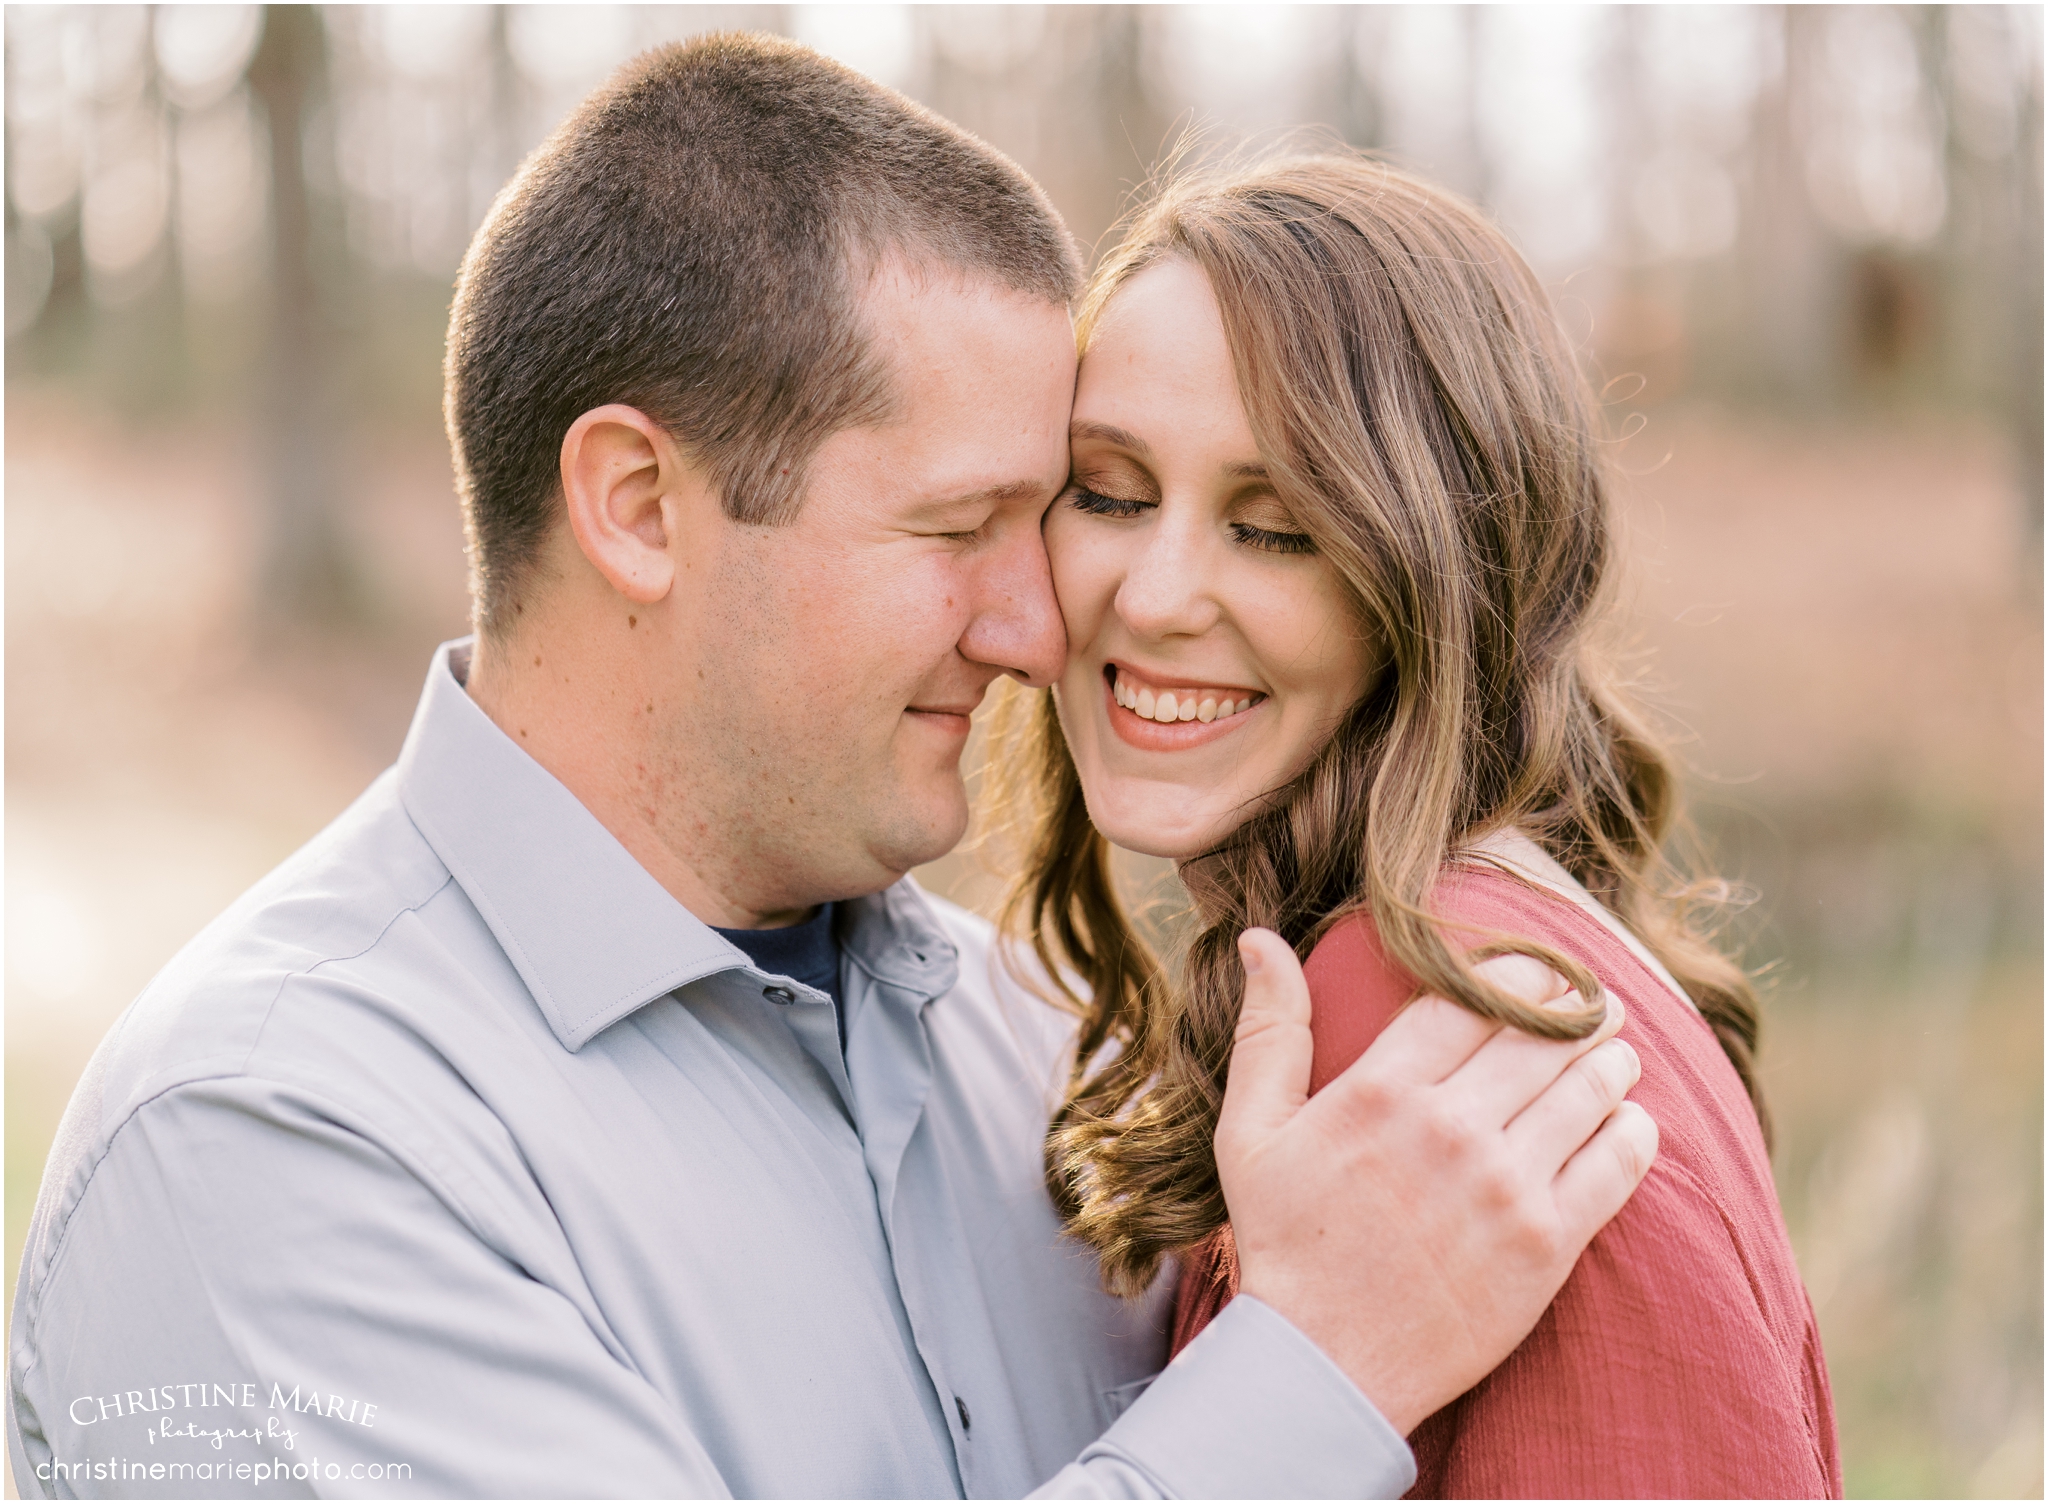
1681 1357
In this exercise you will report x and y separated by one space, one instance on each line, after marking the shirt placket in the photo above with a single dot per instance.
890 1057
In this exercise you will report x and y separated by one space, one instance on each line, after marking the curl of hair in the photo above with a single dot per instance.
1422 417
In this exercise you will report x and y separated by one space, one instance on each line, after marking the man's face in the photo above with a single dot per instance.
821 711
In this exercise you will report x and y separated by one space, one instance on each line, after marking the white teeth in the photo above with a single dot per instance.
1177 704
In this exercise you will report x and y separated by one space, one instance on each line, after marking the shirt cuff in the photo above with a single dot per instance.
1253 1409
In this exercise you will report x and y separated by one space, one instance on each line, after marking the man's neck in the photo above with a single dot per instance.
547 699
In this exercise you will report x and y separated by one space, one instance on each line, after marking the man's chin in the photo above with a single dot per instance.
923 834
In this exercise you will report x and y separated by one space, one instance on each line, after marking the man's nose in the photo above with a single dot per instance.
1016 625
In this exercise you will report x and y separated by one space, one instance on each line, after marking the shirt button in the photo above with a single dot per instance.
778 994
966 1420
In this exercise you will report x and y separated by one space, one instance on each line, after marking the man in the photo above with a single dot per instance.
595 1108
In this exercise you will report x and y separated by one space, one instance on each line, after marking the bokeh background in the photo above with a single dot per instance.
1800 249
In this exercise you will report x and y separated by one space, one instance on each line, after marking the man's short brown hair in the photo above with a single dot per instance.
692 242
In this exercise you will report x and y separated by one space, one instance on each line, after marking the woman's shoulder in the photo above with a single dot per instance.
1358 987
1692 1290
1703 1113
1355 990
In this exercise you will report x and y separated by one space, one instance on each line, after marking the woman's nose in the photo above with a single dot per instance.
1170 588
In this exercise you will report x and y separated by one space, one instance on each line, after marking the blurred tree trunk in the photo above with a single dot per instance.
1060 90
305 572
1479 166
2024 385
1788 269
1989 254
1109 130
507 128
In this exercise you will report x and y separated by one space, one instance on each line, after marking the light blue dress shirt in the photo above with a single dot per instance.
458 1158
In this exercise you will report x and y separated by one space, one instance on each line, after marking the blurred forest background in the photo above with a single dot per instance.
1800 248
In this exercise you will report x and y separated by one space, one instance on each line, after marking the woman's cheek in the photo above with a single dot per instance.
1314 633
1083 579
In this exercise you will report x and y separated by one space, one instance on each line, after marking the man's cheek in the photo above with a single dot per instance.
937 600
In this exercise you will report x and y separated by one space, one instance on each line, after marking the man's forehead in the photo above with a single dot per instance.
980 383
918 310
907 270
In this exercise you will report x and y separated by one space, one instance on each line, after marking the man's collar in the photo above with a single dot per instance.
895 938
593 935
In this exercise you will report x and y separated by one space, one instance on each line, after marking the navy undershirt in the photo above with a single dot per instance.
806 952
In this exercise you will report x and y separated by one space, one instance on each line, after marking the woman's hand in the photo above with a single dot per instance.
1415 1218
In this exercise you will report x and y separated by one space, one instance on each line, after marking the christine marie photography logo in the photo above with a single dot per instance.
218 1412
216 1415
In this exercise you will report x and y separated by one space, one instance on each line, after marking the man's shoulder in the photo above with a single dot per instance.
276 991
324 913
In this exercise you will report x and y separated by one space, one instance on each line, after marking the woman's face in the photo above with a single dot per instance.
1212 650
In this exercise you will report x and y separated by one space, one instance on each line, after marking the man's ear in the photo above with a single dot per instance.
625 486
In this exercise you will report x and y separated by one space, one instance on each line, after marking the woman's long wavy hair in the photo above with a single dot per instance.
1422 416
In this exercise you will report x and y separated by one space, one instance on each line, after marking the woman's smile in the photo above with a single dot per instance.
1147 715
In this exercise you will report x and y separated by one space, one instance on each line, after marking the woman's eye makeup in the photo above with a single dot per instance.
1272 539
1096 504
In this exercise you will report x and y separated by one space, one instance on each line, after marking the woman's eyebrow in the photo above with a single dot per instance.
1123 438
1109 433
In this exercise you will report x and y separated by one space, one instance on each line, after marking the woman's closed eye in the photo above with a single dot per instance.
1272 539
1096 504
1260 521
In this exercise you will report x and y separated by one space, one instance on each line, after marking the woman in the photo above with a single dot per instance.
1330 564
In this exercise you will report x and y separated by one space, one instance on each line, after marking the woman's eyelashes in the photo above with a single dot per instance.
1096 504
1272 540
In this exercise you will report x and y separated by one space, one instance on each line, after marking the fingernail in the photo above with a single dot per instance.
1249 954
